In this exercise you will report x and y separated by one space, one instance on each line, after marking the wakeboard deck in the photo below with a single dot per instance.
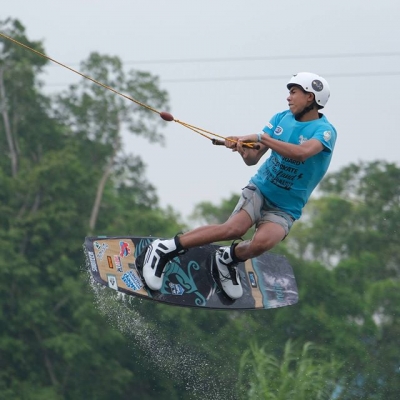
268 280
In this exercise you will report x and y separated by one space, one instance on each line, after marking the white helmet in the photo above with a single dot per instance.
312 83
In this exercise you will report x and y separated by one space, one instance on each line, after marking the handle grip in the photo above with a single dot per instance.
217 142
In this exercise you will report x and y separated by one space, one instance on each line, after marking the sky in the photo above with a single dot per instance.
225 65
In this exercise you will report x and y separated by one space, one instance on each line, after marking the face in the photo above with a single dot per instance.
298 99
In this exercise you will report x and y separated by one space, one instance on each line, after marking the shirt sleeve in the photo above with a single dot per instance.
327 136
273 123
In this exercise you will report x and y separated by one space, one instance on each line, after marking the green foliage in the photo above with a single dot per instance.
363 202
50 345
299 374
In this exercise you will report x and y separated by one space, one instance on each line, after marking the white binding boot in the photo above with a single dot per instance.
154 259
228 272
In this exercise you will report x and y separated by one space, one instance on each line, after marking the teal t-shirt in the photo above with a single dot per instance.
288 183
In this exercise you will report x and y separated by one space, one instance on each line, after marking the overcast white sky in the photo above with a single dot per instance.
238 96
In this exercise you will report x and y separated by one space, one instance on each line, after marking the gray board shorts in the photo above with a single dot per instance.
261 210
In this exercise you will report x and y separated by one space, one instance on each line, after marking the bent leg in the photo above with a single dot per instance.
234 228
267 236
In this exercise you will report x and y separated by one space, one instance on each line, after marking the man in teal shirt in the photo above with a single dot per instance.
288 182
301 141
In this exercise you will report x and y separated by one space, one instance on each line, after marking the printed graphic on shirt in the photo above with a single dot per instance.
327 136
283 173
302 139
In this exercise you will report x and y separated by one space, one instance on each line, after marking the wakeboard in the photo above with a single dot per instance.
268 280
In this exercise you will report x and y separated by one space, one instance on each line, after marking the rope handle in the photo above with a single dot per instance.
218 142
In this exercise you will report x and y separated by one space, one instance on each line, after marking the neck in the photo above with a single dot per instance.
309 116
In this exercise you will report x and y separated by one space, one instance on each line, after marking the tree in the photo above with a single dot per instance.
353 228
97 117
19 95
358 211
50 345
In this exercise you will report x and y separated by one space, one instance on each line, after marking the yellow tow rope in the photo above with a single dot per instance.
166 116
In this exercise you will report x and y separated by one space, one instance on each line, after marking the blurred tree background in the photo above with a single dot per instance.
64 174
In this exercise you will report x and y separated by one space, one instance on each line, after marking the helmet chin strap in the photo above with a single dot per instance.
301 114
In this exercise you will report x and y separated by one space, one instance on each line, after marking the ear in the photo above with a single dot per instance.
310 97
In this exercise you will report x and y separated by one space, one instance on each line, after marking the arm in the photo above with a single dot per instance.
298 152
250 156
